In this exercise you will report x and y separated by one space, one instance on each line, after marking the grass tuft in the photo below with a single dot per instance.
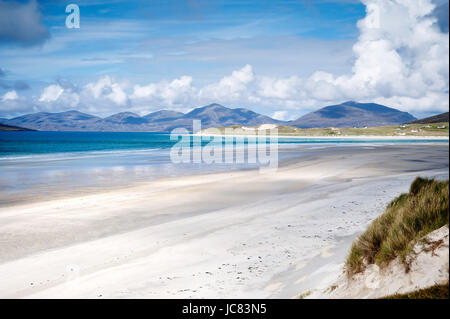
418 184
304 295
434 292
406 219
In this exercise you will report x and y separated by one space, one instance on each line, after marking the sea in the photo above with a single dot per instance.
36 165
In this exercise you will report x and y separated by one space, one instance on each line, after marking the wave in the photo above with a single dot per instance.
79 155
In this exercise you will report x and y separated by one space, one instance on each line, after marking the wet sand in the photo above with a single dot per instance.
240 234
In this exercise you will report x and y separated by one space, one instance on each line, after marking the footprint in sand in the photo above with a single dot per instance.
299 266
301 279
274 286
325 253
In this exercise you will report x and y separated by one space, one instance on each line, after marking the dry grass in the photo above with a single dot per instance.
304 295
407 218
434 292
396 130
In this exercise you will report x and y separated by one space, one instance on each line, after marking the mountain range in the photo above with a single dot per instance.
444 117
353 114
212 115
4 127
348 114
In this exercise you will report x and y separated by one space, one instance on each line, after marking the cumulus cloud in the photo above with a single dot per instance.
21 23
180 92
106 88
280 115
51 93
229 88
279 88
11 95
177 92
145 91
12 102
102 96
57 98
400 60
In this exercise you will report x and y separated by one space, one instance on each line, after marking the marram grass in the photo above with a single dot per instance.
434 292
407 218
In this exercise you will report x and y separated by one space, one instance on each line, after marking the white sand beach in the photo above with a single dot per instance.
241 234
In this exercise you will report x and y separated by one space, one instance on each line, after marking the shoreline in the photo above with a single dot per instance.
232 234
289 154
330 139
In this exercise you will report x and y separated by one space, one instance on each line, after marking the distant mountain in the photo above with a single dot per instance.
348 114
4 127
163 115
353 114
64 121
125 118
444 117
216 115
161 121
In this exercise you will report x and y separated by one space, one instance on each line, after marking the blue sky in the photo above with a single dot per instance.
154 39
153 44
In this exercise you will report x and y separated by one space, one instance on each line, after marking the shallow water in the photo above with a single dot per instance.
19 144
36 165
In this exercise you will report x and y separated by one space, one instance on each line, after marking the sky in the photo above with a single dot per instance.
279 58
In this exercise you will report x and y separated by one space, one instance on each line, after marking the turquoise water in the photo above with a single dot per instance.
28 143
40 165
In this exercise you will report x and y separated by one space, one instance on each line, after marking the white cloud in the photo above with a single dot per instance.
280 115
144 91
229 88
106 88
51 93
400 60
9 96
177 92
279 88
55 98
12 103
